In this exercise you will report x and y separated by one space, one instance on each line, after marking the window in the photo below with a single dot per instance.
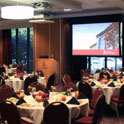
22 47
97 63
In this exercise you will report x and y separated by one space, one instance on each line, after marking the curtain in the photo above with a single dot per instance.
7 46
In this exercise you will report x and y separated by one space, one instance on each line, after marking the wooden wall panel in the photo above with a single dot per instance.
1 48
47 41
42 40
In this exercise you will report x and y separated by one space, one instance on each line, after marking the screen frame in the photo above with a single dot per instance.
97 55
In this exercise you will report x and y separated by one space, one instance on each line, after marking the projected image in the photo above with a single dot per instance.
96 39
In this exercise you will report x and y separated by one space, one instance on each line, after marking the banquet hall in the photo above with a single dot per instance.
65 45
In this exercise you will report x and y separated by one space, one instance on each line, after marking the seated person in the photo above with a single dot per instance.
53 88
87 72
12 73
4 75
96 75
2 82
104 74
116 75
40 73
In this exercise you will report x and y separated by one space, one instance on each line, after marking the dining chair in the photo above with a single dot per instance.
5 92
96 95
30 79
85 88
38 86
67 79
97 115
56 113
51 81
10 113
71 86
116 102
2 81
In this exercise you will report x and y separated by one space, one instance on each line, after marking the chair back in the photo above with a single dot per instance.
9 112
67 79
121 93
51 81
71 86
27 82
99 110
85 88
96 95
56 113
5 92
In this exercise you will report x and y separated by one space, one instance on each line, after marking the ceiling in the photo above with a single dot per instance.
55 9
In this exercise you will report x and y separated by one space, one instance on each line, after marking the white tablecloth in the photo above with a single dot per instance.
18 84
35 111
108 91
42 80
9 70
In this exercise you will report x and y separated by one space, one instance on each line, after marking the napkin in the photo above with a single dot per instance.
26 92
20 101
82 96
15 96
73 101
111 84
45 103
115 79
92 84
21 78
46 90
36 76
10 74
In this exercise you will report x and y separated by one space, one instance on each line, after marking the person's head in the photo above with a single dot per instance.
31 75
116 71
103 70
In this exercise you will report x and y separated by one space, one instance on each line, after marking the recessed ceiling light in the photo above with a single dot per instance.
66 10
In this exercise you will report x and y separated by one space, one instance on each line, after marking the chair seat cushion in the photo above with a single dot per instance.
91 111
84 120
115 99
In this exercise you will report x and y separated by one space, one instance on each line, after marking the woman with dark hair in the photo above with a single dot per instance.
104 74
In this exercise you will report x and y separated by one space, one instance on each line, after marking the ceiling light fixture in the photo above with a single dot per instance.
17 12
41 21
